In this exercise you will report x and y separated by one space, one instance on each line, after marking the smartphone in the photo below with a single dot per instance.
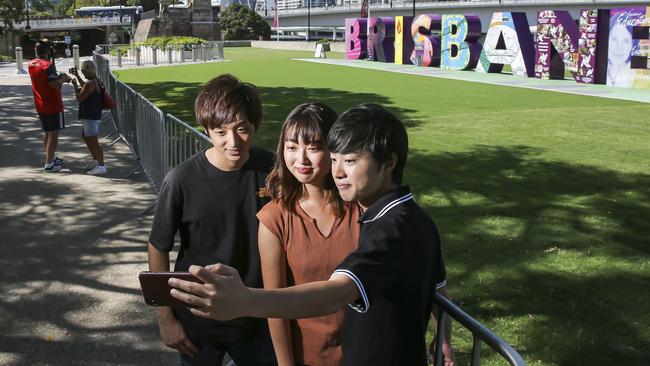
155 287
72 70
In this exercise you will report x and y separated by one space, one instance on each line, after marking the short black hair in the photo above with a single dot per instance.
371 128
224 99
42 49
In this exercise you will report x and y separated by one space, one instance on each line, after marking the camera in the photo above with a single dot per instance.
65 77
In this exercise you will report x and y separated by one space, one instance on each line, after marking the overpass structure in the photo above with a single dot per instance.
333 14
64 24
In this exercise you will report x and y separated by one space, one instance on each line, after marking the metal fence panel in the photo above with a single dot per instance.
158 142
183 141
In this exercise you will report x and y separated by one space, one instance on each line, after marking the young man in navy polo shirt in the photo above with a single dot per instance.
389 281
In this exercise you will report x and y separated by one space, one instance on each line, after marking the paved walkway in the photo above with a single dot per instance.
563 86
71 246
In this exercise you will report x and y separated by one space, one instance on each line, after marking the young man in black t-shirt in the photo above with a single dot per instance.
389 281
212 199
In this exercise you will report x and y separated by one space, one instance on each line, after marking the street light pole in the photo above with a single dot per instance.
413 9
27 8
308 20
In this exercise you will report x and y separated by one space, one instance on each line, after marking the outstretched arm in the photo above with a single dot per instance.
223 296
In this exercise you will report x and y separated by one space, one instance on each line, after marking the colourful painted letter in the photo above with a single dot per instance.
593 27
426 49
557 44
381 37
459 48
629 44
355 38
403 40
508 42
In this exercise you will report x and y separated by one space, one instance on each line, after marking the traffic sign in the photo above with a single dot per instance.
67 39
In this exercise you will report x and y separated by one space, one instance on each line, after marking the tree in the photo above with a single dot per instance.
11 12
241 22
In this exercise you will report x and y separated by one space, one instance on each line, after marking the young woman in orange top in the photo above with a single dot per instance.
305 232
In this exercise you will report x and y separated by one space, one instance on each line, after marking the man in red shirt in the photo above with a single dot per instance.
46 86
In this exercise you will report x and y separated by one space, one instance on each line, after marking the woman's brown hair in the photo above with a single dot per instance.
311 122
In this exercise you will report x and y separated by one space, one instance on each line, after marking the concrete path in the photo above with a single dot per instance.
71 246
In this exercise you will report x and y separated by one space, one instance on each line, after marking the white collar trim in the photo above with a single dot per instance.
389 206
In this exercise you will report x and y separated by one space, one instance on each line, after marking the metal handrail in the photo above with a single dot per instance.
480 334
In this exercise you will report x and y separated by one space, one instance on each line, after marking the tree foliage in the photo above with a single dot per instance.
241 22
11 11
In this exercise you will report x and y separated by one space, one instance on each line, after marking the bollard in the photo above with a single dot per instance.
19 61
204 52
169 55
182 60
154 55
194 53
137 56
75 56
119 56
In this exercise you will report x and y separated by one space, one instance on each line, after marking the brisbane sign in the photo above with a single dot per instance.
605 46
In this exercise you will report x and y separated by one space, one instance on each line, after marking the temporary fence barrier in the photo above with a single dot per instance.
158 142
123 55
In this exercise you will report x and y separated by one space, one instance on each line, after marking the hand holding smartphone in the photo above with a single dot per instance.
155 287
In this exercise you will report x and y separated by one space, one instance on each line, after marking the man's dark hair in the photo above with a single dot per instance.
42 50
224 100
371 128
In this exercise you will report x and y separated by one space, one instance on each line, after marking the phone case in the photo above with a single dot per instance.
155 287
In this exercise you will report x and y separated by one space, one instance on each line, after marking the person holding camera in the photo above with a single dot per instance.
89 96
46 87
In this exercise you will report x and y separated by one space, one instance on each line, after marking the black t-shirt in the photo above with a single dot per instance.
215 213
397 268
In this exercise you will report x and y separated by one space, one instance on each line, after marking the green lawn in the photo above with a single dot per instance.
542 198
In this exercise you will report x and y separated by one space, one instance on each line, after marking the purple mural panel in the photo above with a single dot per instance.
356 38
591 67
403 39
425 31
628 57
381 35
557 44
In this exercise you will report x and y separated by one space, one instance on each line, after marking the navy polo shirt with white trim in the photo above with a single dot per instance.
397 267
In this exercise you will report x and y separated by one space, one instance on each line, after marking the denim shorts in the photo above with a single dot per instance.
90 127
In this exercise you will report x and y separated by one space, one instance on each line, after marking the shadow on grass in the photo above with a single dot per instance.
178 98
550 252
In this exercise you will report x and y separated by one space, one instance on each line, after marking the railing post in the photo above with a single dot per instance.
194 53
154 55
75 56
476 352
137 56
119 56
19 61
182 58
204 52
169 54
